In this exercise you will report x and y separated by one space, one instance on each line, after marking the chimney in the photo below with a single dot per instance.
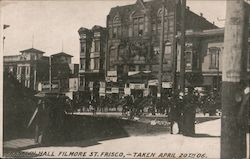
213 23
201 14
188 8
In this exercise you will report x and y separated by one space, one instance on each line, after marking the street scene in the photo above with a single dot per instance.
135 79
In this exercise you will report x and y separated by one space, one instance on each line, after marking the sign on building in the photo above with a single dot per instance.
167 84
112 73
115 90
127 91
111 79
136 86
153 82
46 86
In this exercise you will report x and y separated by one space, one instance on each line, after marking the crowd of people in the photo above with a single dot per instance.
179 107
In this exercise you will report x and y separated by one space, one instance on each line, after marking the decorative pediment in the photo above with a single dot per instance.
140 9
140 3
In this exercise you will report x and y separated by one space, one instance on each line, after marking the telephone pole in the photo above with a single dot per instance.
50 74
182 41
174 50
233 134
162 48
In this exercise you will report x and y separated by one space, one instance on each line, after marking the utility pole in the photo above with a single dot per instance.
182 41
162 48
50 74
233 135
174 78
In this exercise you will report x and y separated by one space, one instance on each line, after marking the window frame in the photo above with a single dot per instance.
214 52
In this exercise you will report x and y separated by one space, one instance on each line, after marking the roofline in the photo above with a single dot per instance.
59 54
38 51
210 32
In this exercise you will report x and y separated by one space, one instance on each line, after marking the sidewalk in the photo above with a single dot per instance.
18 143
206 143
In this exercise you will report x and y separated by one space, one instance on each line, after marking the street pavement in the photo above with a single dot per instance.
205 144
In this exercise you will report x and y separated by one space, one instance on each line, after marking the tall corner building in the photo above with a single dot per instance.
133 44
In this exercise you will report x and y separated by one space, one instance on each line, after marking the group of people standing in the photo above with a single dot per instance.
182 112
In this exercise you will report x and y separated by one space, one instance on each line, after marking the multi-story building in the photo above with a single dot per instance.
203 58
134 42
64 75
92 59
29 68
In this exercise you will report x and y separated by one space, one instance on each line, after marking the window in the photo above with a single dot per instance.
140 29
120 69
27 70
81 81
27 83
96 63
214 57
119 31
110 32
154 28
112 53
188 59
82 48
138 26
114 32
82 64
97 46
19 70
167 49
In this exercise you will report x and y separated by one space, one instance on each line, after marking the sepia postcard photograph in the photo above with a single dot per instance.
125 79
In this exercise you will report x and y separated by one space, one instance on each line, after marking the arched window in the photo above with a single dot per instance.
116 19
116 28
159 13
112 53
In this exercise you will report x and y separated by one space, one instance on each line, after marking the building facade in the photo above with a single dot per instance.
134 43
92 59
203 58
29 68
63 75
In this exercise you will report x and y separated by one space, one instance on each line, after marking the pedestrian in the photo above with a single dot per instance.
93 106
175 114
42 120
189 113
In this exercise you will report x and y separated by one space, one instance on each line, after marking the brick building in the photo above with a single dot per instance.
29 68
134 42
92 59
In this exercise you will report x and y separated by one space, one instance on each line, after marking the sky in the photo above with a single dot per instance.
52 25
